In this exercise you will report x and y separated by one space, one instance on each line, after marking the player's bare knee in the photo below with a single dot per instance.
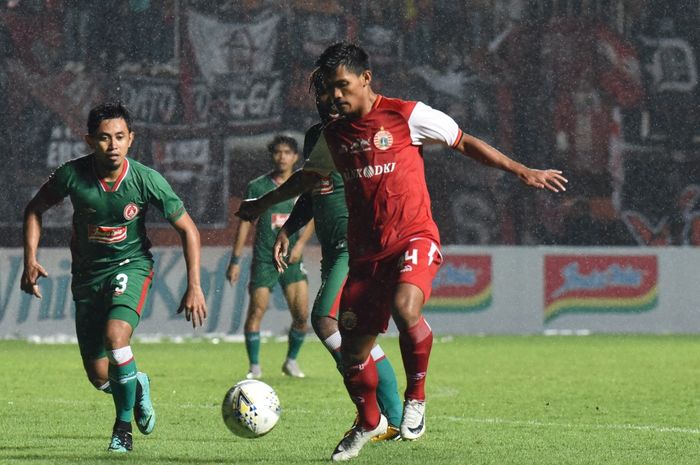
115 340
117 334
407 307
255 314
406 316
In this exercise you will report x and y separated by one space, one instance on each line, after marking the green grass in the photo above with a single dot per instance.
491 400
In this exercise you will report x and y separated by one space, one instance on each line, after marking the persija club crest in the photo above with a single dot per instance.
348 319
383 139
130 211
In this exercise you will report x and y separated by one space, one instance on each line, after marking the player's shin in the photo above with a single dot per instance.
295 341
416 343
106 388
252 346
361 383
122 376
387 388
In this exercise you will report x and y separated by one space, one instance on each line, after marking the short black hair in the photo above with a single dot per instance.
107 110
282 139
349 54
316 83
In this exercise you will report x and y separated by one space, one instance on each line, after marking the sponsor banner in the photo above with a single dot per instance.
463 284
587 290
24 316
599 284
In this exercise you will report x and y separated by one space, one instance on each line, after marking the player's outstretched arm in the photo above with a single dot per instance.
193 302
482 152
32 233
300 181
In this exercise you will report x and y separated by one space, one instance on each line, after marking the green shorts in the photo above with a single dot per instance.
116 294
266 275
334 271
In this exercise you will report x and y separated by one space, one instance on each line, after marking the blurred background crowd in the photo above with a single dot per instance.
605 90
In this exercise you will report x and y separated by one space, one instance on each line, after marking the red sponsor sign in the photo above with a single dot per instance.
599 283
462 284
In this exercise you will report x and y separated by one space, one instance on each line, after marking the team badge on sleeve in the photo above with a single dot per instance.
130 211
383 139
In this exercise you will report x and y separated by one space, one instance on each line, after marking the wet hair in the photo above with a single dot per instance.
316 83
107 110
352 56
280 140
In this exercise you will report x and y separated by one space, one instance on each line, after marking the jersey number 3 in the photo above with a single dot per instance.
122 279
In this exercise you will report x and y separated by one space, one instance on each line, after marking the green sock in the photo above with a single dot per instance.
296 339
252 346
123 384
388 392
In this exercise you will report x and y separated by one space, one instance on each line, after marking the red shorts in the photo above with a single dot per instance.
368 295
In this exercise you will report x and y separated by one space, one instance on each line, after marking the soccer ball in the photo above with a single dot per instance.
251 409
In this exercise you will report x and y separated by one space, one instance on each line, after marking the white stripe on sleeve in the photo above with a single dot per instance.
428 125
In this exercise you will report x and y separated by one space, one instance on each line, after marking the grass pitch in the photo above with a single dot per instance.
491 400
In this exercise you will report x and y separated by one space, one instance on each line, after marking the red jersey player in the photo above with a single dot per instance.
393 241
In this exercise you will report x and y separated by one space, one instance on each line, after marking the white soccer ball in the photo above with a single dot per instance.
251 409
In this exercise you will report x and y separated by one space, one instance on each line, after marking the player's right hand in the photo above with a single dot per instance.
250 210
31 274
280 251
544 179
194 305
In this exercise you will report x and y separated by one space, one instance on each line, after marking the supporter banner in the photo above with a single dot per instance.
593 283
236 102
222 49
199 175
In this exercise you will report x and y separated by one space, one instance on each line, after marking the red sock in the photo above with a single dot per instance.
415 345
361 382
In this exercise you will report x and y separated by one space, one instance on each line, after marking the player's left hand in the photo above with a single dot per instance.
544 179
194 305
250 210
